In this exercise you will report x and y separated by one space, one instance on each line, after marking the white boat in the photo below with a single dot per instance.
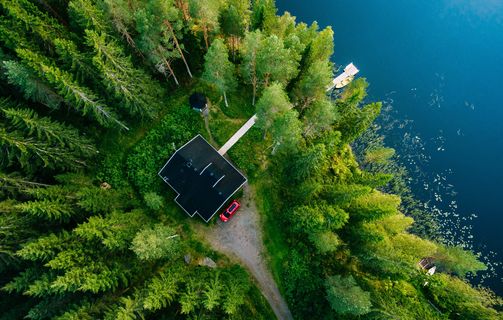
344 78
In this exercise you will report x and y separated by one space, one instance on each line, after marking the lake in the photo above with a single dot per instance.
438 66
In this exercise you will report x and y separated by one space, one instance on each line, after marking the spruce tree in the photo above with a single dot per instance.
137 91
47 130
33 87
75 95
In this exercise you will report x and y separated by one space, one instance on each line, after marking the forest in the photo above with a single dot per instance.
94 100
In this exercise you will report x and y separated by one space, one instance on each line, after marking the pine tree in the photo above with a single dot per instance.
133 86
159 242
218 70
234 21
190 298
319 118
74 94
16 229
346 297
121 14
14 183
206 12
312 84
152 38
111 231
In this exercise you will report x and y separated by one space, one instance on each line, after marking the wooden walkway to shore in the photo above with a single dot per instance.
235 138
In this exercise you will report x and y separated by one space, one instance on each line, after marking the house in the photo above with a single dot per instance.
202 178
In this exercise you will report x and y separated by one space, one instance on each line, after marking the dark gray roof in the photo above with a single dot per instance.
203 179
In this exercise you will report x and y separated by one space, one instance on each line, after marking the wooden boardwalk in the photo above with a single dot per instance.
235 138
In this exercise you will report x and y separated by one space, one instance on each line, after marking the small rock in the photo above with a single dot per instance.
105 186
187 258
208 263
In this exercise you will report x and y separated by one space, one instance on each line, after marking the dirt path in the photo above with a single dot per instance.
241 238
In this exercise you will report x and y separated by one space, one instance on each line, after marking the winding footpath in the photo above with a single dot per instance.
241 238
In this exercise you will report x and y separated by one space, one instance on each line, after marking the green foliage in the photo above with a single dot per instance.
132 86
77 96
218 70
273 103
205 13
319 118
458 261
111 230
159 242
274 62
87 16
33 87
380 155
325 241
45 129
346 297
212 292
44 248
50 210
459 299
313 83
373 206
72 250
151 153
153 200
162 290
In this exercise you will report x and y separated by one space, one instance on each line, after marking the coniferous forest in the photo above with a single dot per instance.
94 100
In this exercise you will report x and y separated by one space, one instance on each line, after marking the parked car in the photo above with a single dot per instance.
229 212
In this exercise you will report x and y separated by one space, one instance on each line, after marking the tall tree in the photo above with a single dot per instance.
131 85
45 129
251 45
121 13
262 12
274 62
33 87
273 103
81 98
234 21
39 23
206 12
319 118
312 84
286 131
86 15
159 27
218 70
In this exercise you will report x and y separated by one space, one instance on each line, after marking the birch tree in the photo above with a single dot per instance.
218 70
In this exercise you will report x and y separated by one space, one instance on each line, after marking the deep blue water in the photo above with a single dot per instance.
438 63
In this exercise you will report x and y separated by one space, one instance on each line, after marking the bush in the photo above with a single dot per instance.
153 200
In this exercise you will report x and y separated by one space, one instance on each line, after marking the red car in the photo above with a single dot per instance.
229 212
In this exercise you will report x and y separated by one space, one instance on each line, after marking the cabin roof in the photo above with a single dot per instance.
203 179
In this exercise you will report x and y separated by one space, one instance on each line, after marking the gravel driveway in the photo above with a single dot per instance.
241 237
